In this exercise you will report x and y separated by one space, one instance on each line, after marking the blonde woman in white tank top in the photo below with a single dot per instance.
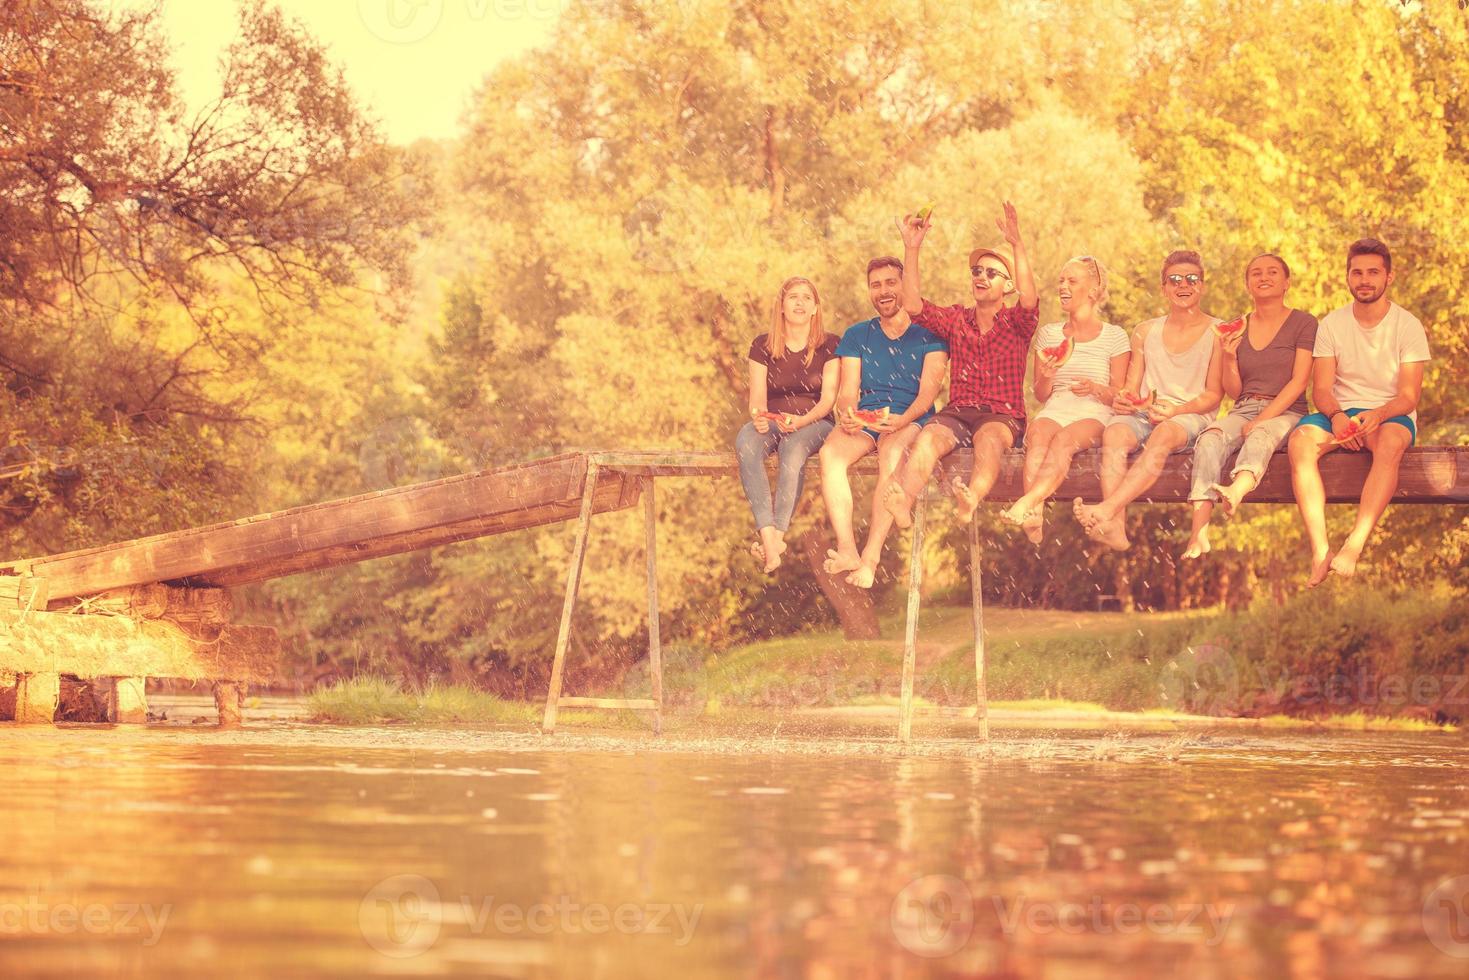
1078 398
1174 386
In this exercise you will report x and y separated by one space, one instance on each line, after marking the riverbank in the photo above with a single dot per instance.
1343 659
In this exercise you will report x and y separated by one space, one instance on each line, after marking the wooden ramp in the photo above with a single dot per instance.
338 532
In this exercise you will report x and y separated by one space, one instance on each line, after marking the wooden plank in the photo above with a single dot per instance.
1429 474
640 704
336 532
115 646
568 604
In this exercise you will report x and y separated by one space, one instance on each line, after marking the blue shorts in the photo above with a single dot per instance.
874 435
1320 421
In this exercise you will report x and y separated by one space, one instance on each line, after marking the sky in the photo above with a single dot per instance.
414 63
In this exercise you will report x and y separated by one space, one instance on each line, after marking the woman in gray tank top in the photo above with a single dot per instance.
1266 367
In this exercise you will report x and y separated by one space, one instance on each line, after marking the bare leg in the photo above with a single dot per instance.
991 443
838 453
1118 442
1233 493
1107 521
933 444
1051 474
1198 539
892 449
1387 443
1307 445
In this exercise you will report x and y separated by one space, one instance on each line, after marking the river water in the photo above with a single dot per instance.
288 849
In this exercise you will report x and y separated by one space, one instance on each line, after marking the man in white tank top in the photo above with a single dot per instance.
1175 383
1366 380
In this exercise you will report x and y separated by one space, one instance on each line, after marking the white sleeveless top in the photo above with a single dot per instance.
1176 377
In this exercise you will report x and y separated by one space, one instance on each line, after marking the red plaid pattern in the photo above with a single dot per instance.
984 369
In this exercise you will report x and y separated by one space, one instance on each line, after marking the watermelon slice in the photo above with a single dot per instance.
1229 328
1061 353
925 211
1141 405
870 417
1352 431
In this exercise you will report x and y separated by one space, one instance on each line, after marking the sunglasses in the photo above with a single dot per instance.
1193 279
989 274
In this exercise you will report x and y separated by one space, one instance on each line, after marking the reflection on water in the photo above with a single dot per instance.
299 850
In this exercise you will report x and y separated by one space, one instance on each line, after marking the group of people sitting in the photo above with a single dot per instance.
1158 390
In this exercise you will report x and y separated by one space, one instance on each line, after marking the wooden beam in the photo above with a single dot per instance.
338 531
1429 474
568 604
639 704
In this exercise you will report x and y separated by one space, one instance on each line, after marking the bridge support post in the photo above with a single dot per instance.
229 701
976 599
655 649
910 636
573 586
127 701
36 697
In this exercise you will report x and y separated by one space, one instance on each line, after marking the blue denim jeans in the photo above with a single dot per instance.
794 448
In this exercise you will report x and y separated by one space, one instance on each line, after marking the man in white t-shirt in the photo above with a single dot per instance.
1366 381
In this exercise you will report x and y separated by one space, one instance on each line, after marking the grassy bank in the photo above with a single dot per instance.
1350 659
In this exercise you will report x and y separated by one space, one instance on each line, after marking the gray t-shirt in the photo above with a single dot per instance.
1263 373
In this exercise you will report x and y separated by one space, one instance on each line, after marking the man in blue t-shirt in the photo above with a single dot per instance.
890 363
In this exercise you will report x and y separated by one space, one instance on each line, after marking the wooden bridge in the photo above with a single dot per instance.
160 607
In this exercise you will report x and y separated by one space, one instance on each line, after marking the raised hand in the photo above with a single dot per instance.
913 228
1009 225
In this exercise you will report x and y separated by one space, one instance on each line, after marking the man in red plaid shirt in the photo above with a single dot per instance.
988 346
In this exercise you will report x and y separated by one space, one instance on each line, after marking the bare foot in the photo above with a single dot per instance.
897 503
966 501
1015 514
1112 533
1320 568
862 576
1088 515
1345 562
1034 526
773 556
1230 496
838 562
1198 545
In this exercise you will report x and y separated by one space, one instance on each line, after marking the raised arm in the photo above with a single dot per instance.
1024 278
912 229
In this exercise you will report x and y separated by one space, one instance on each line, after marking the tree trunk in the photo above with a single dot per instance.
853 606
